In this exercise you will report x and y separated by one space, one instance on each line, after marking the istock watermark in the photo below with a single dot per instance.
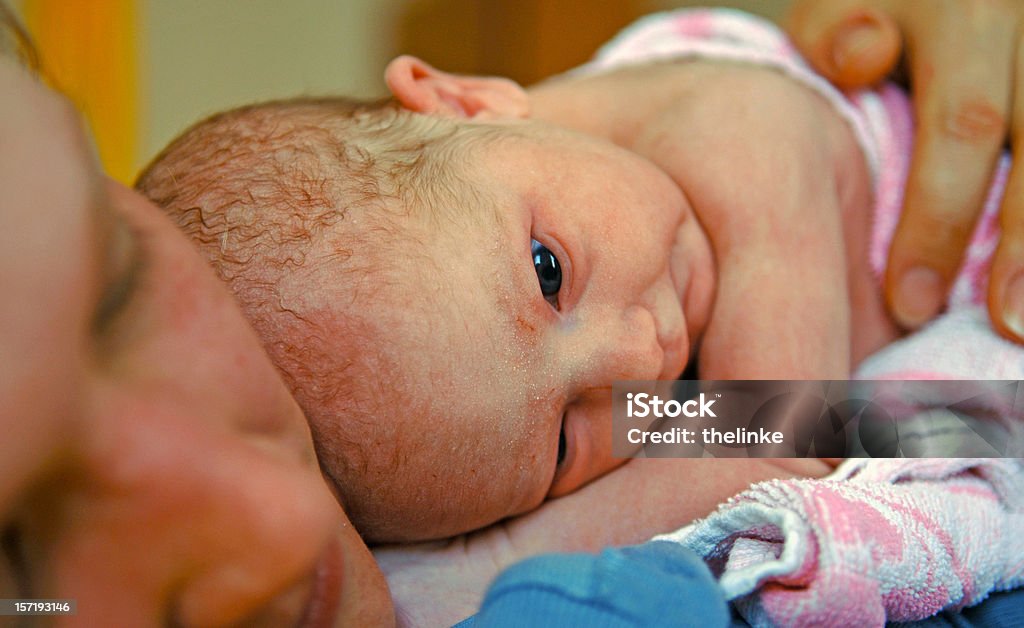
827 419
641 405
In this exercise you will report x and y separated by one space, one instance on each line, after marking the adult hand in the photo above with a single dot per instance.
965 60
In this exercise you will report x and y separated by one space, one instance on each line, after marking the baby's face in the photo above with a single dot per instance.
585 266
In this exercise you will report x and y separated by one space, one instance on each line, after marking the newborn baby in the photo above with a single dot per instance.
452 280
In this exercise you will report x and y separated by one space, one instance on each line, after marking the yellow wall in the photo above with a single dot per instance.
88 50
143 70
206 55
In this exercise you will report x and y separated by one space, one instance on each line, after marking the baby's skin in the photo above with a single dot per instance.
775 178
781 187
765 249
721 217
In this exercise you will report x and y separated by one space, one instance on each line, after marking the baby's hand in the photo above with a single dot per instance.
964 60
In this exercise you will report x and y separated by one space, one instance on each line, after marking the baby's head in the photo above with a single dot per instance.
448 288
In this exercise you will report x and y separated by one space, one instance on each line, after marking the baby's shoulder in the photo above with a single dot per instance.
748 143
724 101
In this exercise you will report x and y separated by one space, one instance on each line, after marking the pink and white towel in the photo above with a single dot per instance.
877 541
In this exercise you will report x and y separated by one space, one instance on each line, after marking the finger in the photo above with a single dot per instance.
851 45
1006 280
961 98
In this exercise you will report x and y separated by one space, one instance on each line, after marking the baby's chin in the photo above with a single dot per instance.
399 508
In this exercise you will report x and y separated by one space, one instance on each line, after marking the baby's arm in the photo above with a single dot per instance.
758 156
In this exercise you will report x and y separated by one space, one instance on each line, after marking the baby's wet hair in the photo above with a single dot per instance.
285 189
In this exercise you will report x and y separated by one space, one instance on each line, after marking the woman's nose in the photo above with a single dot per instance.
281 516
228 522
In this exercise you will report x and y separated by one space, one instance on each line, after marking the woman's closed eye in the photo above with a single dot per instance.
549 272
120 290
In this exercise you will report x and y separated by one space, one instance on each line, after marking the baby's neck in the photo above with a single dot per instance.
614 105
606 106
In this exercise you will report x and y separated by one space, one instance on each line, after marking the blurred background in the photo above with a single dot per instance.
143 70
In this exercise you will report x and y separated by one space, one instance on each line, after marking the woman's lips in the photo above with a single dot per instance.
322 608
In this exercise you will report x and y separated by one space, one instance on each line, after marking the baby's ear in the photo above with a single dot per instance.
422 88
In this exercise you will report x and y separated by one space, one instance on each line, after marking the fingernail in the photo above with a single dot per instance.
851 43
1013 306
919 296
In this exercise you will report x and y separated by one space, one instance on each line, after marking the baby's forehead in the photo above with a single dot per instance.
448 267
447 259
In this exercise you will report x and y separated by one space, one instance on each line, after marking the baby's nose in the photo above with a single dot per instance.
623 346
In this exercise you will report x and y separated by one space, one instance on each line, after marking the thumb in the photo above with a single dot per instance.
852 46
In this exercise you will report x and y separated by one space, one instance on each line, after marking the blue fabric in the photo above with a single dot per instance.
656 584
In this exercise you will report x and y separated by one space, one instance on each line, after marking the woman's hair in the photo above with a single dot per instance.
14 39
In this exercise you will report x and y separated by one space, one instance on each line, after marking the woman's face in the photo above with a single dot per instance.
153 466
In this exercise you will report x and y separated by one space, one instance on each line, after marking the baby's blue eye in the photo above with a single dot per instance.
549 272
